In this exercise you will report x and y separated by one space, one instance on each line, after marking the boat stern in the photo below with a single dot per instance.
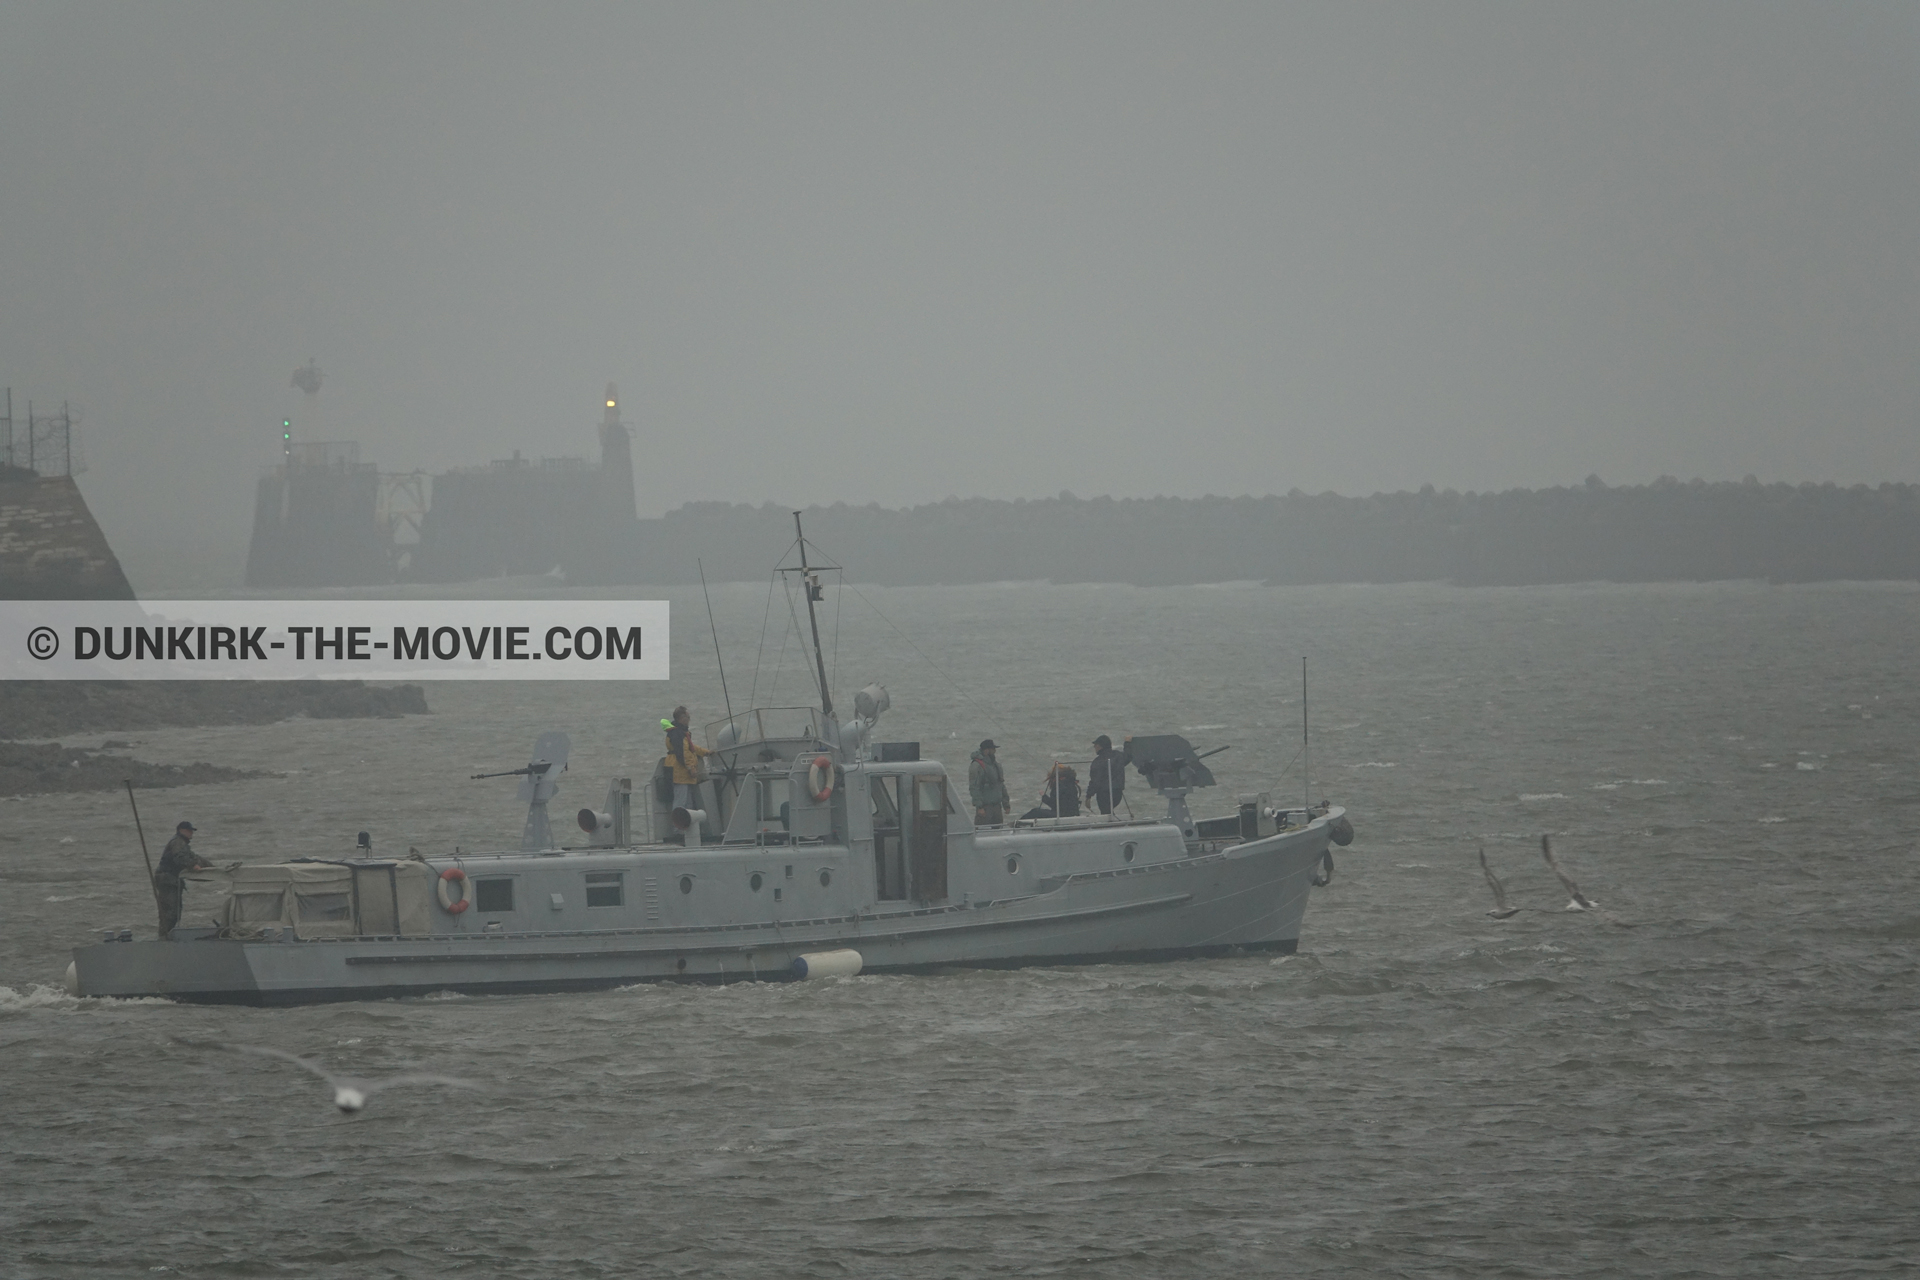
194 965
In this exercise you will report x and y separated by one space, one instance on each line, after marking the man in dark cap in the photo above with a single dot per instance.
178 857
1107 774
988 787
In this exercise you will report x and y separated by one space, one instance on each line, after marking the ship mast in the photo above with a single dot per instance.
811 585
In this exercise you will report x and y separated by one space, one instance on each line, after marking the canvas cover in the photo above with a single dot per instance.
394 897
331 899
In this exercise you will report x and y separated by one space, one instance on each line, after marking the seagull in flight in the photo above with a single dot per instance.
1501 910
1579 901
350 1093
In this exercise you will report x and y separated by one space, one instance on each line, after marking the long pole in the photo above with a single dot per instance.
1306 755
716 637
154 888
806 583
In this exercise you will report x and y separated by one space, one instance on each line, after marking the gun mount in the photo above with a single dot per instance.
542 775
1173 768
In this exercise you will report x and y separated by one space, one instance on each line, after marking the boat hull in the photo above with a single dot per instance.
1248 896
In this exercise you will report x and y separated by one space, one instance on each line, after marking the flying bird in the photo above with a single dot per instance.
350 1093
1579 901
1500 908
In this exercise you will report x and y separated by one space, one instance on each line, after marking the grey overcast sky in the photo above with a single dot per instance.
895 252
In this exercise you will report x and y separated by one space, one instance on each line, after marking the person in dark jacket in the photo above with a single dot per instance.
1107 775
1060 798
177 858
987 785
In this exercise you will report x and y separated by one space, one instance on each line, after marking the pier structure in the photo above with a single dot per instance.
51 548
323 518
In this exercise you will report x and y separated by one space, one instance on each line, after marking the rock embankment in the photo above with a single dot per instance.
39 768
41 709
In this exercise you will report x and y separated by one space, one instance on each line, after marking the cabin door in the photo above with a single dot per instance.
928 857
889 860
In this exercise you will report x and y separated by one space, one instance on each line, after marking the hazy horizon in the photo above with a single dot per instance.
881 254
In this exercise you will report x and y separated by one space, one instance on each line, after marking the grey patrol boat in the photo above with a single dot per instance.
817 850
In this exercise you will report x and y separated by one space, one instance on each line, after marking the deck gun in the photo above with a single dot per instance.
1172 767
542 775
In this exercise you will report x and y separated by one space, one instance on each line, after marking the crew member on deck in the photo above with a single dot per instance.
683 756
1061 798
988 787
176 858
1107 775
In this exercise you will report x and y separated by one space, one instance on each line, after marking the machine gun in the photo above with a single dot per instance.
542 783
1172 767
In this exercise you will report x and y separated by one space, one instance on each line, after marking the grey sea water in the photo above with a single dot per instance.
1719 1081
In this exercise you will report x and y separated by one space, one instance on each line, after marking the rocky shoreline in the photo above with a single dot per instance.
47 767
41 709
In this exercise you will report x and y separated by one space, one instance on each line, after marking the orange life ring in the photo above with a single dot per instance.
820 777
451 905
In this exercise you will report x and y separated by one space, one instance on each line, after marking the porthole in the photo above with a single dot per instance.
686 884
680 965
754 881
1013 864
1128 849
826 877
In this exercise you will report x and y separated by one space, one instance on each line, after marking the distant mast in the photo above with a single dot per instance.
810 583
616 460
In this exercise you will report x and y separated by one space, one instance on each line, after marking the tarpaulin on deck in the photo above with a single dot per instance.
331 899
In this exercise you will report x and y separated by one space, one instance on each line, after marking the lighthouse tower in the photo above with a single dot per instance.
616 461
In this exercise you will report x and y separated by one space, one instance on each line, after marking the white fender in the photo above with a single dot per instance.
827 964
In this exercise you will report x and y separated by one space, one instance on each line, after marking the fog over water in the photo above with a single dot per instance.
881 253
1719 1089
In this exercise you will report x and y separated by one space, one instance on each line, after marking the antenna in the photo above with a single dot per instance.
716 630
1306 754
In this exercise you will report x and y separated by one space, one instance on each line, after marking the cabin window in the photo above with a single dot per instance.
826 877
493 894
316 908
1128 849
930 796
686 884
1013 865
257 908
604 889
754 881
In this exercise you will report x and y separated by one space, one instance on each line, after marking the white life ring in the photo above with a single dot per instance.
452 905
820 777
